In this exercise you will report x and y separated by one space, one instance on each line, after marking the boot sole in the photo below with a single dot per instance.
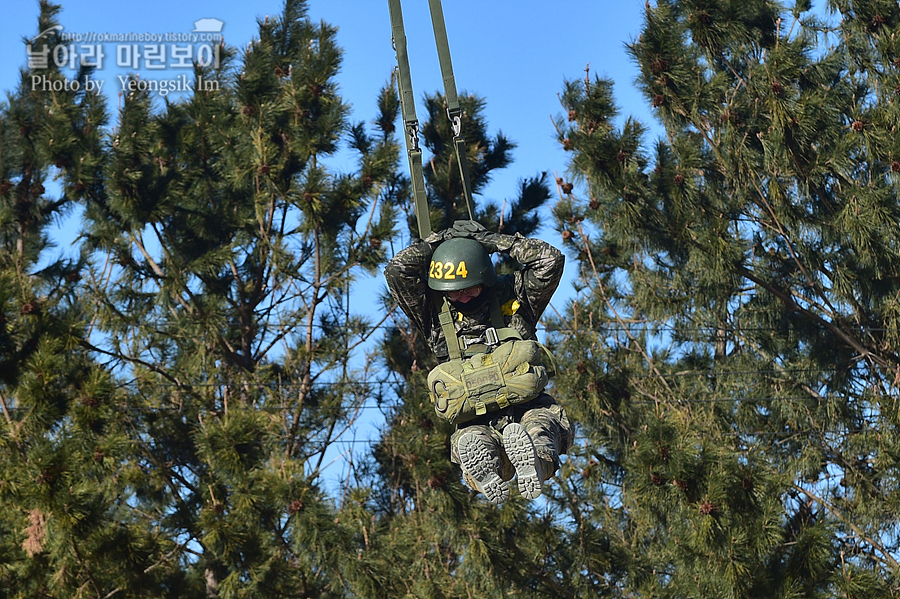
520 451
476 460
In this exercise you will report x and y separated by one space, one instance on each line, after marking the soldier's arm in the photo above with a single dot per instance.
543 269
406 278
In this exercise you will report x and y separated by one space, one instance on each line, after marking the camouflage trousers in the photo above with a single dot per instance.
543 418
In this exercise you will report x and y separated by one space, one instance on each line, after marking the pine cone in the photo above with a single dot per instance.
708 508
658 66
90 401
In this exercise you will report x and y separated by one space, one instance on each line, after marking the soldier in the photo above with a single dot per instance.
525 439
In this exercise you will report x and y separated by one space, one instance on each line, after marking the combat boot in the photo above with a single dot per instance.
531 471
480 461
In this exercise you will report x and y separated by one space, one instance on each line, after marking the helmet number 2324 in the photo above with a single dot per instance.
448 270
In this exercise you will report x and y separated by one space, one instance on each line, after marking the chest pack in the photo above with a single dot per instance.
493 372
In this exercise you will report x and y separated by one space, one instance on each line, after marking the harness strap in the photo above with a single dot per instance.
496 313
410 122
454 112
446 320
504 333
495 335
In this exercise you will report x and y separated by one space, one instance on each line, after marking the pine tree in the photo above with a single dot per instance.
732 349
219 254
64 529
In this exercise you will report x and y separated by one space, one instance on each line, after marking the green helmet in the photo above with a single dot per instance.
460 263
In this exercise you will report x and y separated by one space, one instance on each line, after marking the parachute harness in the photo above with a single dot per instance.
499 368
498 331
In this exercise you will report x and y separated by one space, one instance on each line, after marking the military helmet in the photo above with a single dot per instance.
460 263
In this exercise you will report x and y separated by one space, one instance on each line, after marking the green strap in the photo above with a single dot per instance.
445 317
410 122
497 320
455 347
423 216
443 48
459 148
504 333
454 112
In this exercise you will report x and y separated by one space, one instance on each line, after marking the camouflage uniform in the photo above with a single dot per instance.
523 297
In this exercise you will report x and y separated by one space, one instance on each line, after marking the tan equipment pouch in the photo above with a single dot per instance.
513 372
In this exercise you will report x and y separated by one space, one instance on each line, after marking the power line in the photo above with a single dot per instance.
637 327
380 384
396 404
741 399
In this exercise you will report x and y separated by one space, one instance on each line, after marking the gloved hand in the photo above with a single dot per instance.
437 237
474 230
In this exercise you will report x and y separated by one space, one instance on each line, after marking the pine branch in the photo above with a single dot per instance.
12 428
790 246
860 534
789 301
151 367
602 289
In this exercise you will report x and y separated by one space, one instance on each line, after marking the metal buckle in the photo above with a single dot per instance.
455 123
490 337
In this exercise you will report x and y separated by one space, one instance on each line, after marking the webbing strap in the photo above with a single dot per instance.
423 216
410 122
457 349
496 313
504 333
454 112
445 317
443 48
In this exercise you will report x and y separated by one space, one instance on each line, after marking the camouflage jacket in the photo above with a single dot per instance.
523 295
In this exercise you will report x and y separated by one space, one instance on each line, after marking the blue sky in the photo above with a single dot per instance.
515 54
